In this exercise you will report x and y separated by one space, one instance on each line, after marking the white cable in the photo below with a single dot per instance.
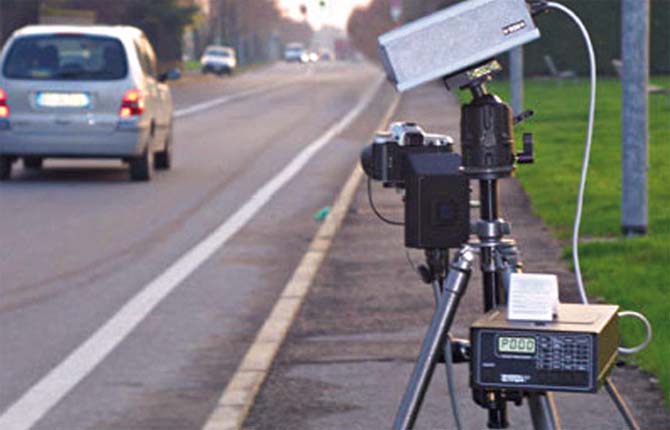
587 149
450 383
647 339
582 181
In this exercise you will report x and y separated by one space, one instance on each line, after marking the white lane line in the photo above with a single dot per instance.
240 393
199 107
49 390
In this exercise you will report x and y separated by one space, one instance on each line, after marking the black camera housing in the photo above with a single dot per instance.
436 191
389 161
385 159
437 201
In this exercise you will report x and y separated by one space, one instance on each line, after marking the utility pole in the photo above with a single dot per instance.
218 31
635 113
516 79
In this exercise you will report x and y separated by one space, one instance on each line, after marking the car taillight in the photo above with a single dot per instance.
132 104
4 108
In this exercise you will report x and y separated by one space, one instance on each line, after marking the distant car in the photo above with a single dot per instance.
219 60
84 92
295 53
313 57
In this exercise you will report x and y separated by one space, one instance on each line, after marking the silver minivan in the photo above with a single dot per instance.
84 92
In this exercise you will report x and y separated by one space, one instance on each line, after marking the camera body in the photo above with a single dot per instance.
437 192
437 201
385 159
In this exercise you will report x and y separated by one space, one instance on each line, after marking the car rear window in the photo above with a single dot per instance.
66 57
217 53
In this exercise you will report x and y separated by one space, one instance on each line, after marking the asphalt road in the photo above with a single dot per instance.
78 241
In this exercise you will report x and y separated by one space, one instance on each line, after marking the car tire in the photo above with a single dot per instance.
142 167
33 163
163 159
5 167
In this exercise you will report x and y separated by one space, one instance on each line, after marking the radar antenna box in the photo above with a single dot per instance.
456 38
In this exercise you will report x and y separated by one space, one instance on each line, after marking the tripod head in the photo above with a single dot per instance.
487 133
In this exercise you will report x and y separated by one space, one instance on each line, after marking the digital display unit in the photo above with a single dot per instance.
575 352
516 345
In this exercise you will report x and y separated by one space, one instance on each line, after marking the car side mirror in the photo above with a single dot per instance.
170 75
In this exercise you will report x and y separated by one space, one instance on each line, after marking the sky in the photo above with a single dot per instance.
334 13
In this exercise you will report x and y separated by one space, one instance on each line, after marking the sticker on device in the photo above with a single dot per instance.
513 28
514 378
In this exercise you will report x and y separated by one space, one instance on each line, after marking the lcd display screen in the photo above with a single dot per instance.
516 344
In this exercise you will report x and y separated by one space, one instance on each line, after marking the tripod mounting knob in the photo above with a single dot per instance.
526 157
523 116
489 231
427 275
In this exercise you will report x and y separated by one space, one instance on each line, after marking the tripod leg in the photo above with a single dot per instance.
454 287
543 411
621 404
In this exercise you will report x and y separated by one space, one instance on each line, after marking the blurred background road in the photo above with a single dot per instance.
79 240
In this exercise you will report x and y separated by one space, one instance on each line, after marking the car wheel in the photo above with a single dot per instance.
142 167
33 163
5 167
163 159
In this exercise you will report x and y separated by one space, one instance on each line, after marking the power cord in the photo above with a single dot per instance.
587 149
584 173
411 262
647 338
450 384
374 208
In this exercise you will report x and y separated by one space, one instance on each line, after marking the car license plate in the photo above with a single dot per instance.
62 100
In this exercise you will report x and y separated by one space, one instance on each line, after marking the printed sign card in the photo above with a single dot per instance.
532 297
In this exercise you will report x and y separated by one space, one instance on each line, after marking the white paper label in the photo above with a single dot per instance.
532 297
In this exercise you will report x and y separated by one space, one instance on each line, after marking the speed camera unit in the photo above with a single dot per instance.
461 36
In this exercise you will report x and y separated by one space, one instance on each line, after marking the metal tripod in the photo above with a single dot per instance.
488 154
498 258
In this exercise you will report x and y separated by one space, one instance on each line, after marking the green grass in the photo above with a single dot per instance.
192 65
634 273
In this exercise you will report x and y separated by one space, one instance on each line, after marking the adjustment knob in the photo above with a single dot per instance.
526 157
523 116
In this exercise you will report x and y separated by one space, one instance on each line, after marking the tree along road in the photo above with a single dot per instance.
80 242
